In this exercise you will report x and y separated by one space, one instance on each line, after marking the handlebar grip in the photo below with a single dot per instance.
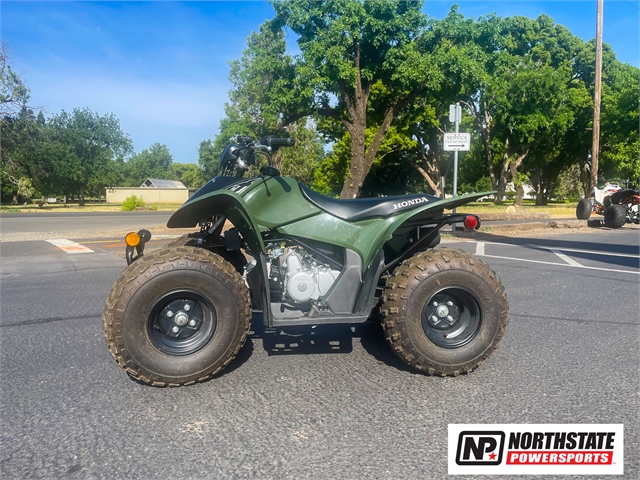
278 142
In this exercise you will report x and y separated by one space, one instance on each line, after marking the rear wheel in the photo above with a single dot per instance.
445 312
584 208
615 216
177 317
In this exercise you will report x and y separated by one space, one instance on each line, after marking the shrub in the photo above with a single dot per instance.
131 203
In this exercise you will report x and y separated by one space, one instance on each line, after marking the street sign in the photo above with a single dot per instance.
455 113
457 142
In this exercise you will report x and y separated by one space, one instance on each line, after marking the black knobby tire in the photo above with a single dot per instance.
183 241
584 208
615 216
478 303
137 325
234 257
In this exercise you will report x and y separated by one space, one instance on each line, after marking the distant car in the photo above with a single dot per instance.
617 205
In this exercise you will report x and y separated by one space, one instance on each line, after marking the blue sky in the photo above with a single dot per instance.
162 67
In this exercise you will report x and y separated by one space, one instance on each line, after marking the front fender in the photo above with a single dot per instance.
222 202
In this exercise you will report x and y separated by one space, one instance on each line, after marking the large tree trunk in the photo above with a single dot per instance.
429 168
502 179
518 184
541 194
355 178
81 197
585 178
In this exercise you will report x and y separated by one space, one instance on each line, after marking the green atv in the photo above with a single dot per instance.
180 314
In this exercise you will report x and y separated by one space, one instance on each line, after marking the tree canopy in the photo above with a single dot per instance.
377 77
366 97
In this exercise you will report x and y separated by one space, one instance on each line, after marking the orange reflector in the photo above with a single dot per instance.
132 239
470 222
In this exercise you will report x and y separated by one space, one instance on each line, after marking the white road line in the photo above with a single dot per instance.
567 259
69 246
480 248
563 264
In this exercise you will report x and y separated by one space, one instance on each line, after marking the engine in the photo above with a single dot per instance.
301 278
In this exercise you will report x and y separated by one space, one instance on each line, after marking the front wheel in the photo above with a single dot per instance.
177 316
615 216
445 312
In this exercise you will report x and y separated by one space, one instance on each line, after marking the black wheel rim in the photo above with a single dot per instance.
452 317
181 322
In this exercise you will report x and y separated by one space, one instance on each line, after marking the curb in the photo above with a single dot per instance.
555 224
490 217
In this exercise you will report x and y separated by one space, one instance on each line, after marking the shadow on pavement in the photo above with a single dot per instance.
323 339
532 242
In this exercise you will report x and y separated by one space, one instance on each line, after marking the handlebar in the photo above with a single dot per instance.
271 141
237 158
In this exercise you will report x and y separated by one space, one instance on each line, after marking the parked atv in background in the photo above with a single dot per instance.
179 315
617 205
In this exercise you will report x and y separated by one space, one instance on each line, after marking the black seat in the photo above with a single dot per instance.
363 208
616 197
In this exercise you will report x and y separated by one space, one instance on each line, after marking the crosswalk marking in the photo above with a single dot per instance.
69 246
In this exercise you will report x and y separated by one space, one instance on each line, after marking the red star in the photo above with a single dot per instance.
492 456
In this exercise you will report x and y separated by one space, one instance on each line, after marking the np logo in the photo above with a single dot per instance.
480 448
408 203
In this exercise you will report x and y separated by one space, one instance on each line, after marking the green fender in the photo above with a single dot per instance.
367 237
418 216
254 208
223 202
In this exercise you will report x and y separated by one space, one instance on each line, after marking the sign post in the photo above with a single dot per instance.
456 142
455 115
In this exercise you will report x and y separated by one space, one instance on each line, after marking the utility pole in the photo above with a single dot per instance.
595 145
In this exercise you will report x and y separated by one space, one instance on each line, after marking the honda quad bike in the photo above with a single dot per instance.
617 205
179 315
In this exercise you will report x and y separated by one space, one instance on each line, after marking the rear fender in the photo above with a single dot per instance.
423 215
222 202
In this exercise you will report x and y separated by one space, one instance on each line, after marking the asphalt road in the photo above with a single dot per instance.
94 221
341 407
79 221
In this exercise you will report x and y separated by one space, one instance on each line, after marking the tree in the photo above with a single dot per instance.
620 150
189 174
154 162
87 148
301 160
353 53
14 94
22 174
209 157
17 131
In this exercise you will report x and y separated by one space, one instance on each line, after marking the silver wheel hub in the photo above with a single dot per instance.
181 319
442 311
